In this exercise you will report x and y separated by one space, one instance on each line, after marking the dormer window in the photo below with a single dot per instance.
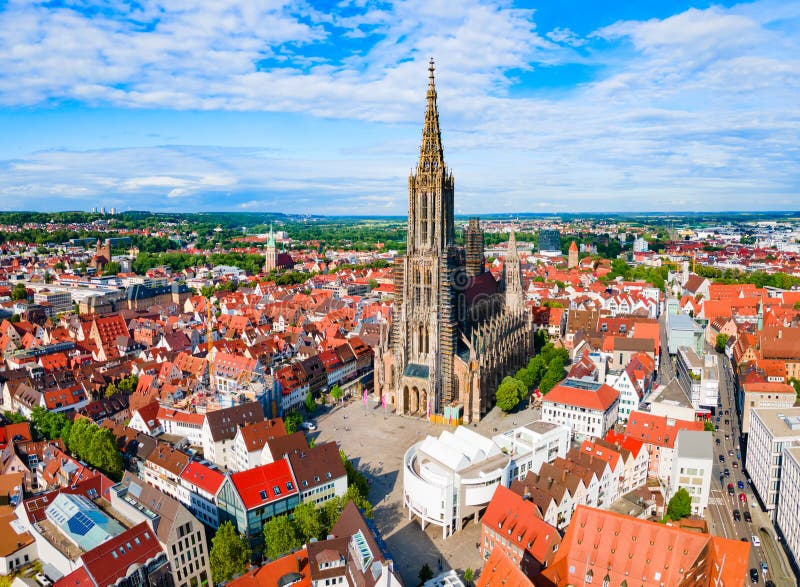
589 576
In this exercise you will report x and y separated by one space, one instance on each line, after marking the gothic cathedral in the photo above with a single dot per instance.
456 331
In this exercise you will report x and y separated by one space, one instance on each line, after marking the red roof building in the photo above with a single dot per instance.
514 525
606 548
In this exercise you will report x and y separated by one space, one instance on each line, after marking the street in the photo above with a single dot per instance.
722 505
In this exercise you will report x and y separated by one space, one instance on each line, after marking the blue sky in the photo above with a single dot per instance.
317 107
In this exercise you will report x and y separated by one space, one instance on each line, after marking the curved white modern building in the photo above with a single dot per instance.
451 478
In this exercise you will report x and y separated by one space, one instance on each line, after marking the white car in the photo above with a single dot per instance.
308 426
756 541
42 579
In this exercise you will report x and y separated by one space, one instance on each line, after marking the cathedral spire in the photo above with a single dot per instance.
431 155
515 298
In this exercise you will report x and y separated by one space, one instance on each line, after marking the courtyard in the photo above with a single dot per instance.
375 440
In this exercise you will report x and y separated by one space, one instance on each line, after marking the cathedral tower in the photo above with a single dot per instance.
473 242
427 328
515 297
271 257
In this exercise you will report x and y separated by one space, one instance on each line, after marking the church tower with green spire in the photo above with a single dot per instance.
271 257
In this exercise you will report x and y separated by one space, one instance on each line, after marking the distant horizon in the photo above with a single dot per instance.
487 215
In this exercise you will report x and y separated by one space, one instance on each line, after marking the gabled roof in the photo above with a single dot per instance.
203 476
292 569
592 396
500 571
265 484
520 522
111 560
604 544
317 466
658 430
224 423
169 458
256 435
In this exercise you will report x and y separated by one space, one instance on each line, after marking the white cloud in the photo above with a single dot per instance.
566 36
701 106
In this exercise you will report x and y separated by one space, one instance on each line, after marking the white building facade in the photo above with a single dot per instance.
770 432
452 477
532 445
788 513
692 465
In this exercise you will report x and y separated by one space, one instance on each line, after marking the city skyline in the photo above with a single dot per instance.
296 109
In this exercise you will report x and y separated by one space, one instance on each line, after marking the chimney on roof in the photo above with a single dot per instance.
527 493
299 564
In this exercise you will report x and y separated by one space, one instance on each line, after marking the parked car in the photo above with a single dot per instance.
742 497
727 472
736 515
764 567
716 440
730 452
730 489
308 426
721 459
740 484
754 575
42 579
747 517
756 541
735 465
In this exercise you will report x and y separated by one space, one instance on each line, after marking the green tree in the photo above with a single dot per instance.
112 268
425 574
229 554
554 374
509 393
19 292
103 452
355 478
536 369
111 390
308 521
708 426
525 377
281 536
15 417
680 505
310 403
722 340
336 392
292 422
469 575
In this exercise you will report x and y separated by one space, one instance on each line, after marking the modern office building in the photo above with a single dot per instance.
698 374
788 513
767 395
550 242
683 331
770 432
